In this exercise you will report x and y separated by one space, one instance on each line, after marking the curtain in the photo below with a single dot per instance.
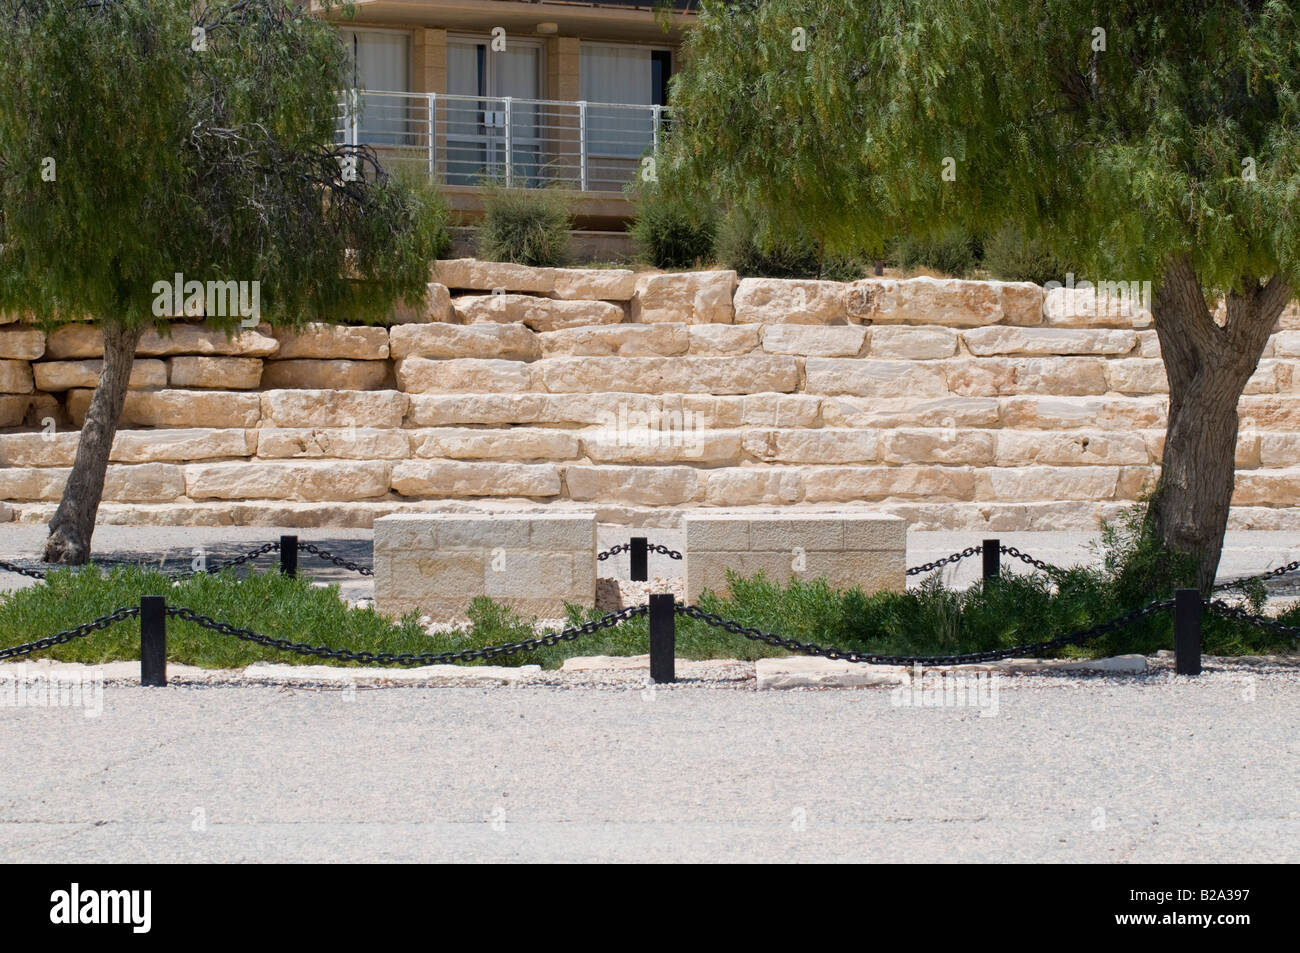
617 74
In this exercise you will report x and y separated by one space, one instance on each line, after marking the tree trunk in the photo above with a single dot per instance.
1208 366
74 521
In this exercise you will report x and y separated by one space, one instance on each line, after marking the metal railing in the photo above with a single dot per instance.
528 143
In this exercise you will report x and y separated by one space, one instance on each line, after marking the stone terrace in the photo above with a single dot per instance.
960 405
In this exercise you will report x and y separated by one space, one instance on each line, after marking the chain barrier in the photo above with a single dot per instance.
336 560
650 548
80 632
1271 574
15 568
1221 608
1032 649
425 658
1026 558
227 564
614 551
946 560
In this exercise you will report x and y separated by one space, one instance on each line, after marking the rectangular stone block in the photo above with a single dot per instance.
15 377
340 443
178 408
313 374
333 342
21 344
218 373
666 375
474 275
56 376
901 343
998 376
813 446
722 340
334 408
594 284
849 551
515 443
811 341
274 480
693 297
789 301
429 478
1047 342
438 564
871 378
621 340
644 485
418 375
510 342
540 314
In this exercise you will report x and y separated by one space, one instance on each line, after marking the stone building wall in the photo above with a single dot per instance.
955 404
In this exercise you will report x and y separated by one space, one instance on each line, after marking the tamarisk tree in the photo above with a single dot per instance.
145 139
1143 140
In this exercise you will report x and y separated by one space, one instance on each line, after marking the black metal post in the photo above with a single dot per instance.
663 637
640 559
992 551
289 555
1187 631
153 640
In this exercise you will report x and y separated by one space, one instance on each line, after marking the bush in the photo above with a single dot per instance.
755 250
954 253
1008 255
670 233
525 226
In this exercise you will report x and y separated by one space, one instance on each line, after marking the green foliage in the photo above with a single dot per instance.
1010 256
1125 156
759 250
525 226
672 233
954 253
216 163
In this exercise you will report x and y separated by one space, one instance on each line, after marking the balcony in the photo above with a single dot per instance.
465 142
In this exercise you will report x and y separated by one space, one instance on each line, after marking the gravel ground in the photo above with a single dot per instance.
1146 769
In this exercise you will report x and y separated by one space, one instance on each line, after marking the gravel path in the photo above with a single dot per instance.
1148 769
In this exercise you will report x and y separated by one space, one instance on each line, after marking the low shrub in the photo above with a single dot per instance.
525 226
671 233
954 253
1009 256
755 250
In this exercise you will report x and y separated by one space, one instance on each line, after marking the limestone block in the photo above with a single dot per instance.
56 376
907 412
946 445
801 671
343 443
708 447
1071 448
1271 377
334 408
443 410
1064 413
623 340
311 374
645 485
753 486
897 342
273 480
178 408
513 444
474 275
333 342
21 344
1285 344
38 449
998 376
1021 301
722 340
1115 305
1047 483
1149 344
872 484
540 314
594 284
1047 342
511 342
143 483
439 563
750 410
1269 413
15 377
949 302
811 341
695 297
813 446
666 375
219 373
428 478
185 338
435 307
789 301
419 375
871 378
866 551
182 445
1135 375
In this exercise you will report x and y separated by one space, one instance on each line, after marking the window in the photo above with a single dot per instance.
381 62
615 77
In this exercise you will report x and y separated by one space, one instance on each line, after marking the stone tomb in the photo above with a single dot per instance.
438 564
867 551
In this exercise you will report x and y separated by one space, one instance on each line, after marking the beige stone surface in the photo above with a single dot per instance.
510 342
438 564
181 445
645 485
1047 483
948 302
345 443
622 340
516 443
333 342
803 671
695 297
435 307
875 484
722 340
753 486
594 284
443 478
945 445
704 447
179 408
310 374
1071 448
143 483
789 301
999 376
276 480
540 314
1047 342
811 341
848 550
655 375
58 376
846 411
333 408
901 343
1136 376
1086 307
419 375
830 445
872 378
15 377
218 373
472 274
188 338
442 410
21 344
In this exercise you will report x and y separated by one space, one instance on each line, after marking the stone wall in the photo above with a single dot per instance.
955 404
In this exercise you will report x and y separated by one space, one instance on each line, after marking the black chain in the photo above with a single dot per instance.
614 551
426 658
1026 558
237 561
336 560
627 548
81 631
665 551
1219 607
14 567
1031 649
1271 574
938 563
